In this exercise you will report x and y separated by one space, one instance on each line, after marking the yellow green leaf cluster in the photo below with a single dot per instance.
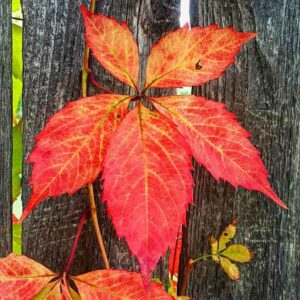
227 255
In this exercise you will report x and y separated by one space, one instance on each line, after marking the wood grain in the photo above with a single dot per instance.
53 48
5 127
262 88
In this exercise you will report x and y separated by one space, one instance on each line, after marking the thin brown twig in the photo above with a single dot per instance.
74 247
188 268
96 226
85 73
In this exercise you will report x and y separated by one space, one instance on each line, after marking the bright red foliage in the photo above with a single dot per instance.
218 141
113 45
69 151
188 57
146 170
147 184
117 284
23 278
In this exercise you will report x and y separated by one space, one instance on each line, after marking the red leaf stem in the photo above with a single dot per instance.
75 244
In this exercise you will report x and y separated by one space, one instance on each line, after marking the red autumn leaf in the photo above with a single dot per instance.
218 141
21 276
147 184
113 45
188 57
70 149
114 284
24 278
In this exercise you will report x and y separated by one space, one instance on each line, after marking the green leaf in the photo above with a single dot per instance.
16 186
17 63
17 96
17 238
238 253
17 160
16 5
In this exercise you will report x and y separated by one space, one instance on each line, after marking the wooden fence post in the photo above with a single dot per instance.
5 127
263 89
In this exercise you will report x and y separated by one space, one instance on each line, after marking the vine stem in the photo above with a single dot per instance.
96 226
85 74
74 247
201 257
187 270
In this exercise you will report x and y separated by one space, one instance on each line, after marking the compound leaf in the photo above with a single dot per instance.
24 278
223 254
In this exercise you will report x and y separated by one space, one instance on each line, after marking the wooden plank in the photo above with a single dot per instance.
262 88
5 127
53 47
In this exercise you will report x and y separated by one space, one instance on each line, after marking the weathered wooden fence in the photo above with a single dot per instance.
262 88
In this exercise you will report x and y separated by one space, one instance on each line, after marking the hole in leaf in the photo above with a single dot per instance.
198 66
